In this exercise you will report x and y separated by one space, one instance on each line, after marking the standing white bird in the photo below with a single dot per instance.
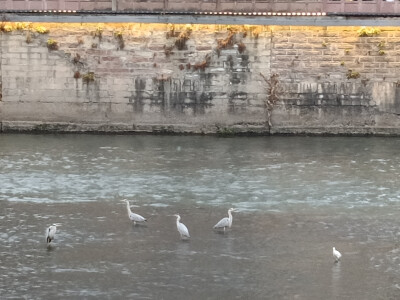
182 229
225 222
336 254
134 217
51 232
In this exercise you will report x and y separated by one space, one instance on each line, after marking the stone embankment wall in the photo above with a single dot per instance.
200 79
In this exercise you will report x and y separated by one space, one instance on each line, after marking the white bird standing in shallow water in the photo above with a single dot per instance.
336 254
134 217
51 232
225 222
182 229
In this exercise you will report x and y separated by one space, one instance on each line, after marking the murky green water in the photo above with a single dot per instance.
297 198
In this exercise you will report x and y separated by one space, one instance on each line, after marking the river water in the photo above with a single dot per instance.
297 197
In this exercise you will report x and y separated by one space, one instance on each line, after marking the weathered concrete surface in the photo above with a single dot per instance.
270 20
200 79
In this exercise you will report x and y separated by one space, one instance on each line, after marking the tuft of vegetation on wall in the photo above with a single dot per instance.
368 31
52 44
88 77
352 74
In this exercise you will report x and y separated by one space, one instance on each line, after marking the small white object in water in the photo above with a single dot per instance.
336 254
225 222
132 216
51 232
182 229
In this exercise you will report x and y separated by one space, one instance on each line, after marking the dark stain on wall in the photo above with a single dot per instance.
238 102
244 63
179 95
396 105
138 97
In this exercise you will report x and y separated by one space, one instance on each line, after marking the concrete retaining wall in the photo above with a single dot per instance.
200 79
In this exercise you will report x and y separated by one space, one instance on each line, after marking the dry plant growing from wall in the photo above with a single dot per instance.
180 42
226 42
203 64
352 74
98 32
4 27
52 44
368 31
88 77
41 29
171 31
120 39
181 38
274 90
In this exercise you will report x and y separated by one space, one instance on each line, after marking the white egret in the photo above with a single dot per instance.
134 217
225 222
182 229
336 254
51 232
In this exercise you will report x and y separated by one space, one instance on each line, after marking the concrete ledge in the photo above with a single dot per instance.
339 131
119 128
203 19
180 129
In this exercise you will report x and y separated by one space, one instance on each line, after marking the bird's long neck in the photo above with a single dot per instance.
177 220
128 208
230 216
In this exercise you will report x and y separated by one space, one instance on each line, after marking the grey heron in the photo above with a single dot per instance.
51 232
182 229
132 216
336 254
225 222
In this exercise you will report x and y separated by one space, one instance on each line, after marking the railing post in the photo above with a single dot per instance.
114 5
218 5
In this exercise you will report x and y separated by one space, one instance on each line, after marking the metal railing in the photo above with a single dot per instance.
328 6
362 6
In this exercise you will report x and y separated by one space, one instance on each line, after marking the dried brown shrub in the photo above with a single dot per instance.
274 91
180 42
